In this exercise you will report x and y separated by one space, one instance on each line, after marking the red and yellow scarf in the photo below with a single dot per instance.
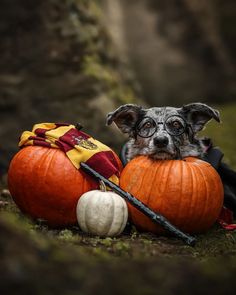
77 145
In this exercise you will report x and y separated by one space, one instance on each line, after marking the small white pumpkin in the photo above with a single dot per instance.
102 213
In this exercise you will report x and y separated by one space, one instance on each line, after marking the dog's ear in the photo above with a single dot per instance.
198 114
125 117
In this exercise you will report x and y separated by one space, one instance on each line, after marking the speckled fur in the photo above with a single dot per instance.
196 115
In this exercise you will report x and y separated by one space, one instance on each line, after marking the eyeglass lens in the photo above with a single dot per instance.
147 127
174 125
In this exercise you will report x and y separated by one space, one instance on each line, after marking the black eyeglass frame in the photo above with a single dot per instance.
155 126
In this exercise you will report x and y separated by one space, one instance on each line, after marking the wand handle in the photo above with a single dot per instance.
155 217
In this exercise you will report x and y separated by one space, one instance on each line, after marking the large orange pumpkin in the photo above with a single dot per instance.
188 192
44 184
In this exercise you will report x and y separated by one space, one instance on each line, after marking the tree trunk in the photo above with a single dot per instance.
57 64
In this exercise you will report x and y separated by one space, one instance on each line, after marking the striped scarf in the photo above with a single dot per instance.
77 145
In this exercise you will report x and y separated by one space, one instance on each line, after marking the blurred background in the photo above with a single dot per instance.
71 60
75 61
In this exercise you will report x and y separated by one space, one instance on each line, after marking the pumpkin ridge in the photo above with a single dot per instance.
83 186
125 217
147 174
190 173
150 187
136 217
166 183
131 184
79 215
162 192
112 219
178 209
183 198
197 180
82 204
48 162
160 165
86 217
121 226
48 153
205 206
197 195
34 170
214 174
140 172
25 191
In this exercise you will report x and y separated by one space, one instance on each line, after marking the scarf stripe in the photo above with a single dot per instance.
77 145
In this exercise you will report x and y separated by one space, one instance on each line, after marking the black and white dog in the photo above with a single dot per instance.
163 132
171 133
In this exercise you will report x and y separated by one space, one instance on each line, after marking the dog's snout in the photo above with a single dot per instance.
161 141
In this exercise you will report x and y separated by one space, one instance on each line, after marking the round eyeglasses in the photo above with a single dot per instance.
174 125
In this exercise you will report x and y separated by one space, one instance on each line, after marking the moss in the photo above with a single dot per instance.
101 254
109 79
147 242
98 62
122 247
67 235
215 243
72 259
107 242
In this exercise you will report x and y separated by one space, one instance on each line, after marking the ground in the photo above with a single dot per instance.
36 259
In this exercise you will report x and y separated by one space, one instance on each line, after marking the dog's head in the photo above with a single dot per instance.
163 132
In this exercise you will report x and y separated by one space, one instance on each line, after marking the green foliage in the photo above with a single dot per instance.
223 135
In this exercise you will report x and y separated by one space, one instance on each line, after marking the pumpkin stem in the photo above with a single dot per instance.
102 186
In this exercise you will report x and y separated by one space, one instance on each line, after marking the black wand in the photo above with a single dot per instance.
155 217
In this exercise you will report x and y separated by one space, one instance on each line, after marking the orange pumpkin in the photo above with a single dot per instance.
189 192
44 184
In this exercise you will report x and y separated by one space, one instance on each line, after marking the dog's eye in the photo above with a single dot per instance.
176 124
147 125
146 128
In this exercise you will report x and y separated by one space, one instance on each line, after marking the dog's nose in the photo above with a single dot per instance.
161 141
